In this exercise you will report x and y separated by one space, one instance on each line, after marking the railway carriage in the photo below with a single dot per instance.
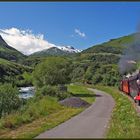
130 87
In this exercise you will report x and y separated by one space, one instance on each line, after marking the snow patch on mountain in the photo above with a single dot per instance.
69 49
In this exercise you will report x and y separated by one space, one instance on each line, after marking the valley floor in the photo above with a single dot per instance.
124 122
57 115
91 123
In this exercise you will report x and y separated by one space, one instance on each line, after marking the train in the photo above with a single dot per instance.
131 87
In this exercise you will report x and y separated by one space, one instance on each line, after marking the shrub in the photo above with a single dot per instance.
53 91
52 71
49 90
97 79
9 99
31 111
28 78
63 95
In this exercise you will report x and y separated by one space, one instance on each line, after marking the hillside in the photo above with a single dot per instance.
12 72
99 64
115 46
56 51
9 53
49 52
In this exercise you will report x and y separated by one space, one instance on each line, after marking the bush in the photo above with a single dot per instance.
9 99
53 91
96 79
28 78
49 90
31 111
63 95
52 71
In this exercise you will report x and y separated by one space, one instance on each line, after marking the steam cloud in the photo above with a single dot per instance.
130 55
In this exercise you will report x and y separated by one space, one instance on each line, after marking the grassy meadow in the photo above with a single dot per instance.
40 115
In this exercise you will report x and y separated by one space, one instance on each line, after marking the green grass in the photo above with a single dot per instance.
35 117
41 115
125 122
41 124
82 92
31 111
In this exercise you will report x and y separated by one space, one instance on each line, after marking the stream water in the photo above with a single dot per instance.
26 92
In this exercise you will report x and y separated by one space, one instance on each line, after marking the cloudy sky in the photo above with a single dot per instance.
24 40
34 26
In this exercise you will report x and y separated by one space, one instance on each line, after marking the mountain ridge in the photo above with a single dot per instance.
57 51
9 53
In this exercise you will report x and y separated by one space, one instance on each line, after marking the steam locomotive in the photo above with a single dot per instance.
131 86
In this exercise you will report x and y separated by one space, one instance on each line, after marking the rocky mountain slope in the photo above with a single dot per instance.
9 53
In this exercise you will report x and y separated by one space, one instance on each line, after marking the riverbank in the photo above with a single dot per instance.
38 116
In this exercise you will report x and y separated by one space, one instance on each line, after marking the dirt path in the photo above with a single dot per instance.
91 123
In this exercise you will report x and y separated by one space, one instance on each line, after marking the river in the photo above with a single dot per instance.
26 92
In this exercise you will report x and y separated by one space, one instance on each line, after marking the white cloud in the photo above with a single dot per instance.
25 41
77 31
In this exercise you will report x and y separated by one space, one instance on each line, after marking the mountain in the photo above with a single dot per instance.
69 49
112 49
100 64
12 72
115 46
9 53
56 51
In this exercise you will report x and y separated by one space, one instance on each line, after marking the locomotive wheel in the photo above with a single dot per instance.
138 102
